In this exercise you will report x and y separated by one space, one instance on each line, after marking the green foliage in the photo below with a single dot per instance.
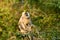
45 14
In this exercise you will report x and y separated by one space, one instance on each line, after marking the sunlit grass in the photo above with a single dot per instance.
47 21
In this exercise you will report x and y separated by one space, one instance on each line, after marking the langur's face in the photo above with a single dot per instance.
26 15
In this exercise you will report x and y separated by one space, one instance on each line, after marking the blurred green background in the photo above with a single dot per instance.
45 14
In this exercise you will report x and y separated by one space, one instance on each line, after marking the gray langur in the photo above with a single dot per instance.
25 23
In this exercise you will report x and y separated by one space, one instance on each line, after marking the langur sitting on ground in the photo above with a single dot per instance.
25 23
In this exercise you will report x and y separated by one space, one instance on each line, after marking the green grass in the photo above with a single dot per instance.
46 20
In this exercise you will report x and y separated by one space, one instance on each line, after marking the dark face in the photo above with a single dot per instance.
26 14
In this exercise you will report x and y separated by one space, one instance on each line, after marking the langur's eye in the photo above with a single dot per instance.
26 24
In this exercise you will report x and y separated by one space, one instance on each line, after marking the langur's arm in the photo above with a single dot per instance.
20 20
